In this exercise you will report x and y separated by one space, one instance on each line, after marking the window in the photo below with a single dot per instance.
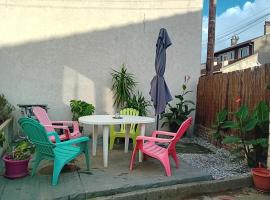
230 55
243 52
221 58
225 56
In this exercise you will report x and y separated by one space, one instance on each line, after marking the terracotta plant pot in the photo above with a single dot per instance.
15 168
261 179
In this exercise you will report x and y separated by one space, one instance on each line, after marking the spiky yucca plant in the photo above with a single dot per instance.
123 86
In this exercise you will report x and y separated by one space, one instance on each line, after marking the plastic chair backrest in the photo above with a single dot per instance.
180 132
132 112
36 133
43 118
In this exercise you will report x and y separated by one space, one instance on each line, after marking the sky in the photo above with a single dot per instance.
244 18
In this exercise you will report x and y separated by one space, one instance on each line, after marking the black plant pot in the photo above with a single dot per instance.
173 127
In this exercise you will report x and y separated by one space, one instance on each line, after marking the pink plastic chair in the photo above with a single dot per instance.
49 125
151 149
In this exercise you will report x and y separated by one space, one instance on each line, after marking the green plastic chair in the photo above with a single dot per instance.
133 133
60 152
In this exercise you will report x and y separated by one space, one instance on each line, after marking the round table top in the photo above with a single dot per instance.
108 119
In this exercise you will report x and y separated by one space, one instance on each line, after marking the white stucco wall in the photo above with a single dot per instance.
54 51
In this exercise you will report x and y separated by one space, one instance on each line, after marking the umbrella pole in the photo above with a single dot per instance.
157 122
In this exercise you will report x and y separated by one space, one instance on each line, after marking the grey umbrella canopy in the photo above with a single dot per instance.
159 92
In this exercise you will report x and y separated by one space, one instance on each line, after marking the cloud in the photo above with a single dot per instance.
231 19
232 11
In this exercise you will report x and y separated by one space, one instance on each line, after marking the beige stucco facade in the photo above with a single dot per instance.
248 62
261 55
55 51
262 48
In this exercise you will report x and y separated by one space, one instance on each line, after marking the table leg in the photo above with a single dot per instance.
142 132
105 144
127 138
95 134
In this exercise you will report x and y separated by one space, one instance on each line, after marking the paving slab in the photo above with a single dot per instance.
100 181
148 174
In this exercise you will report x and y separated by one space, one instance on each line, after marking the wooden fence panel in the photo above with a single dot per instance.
220 91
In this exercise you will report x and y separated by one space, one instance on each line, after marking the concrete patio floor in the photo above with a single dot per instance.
100 181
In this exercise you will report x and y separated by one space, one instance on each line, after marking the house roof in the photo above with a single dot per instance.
238 45
234 46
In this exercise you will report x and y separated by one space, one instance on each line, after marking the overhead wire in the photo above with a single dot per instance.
237 29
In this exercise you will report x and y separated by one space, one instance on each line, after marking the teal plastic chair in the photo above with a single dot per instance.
133 132
60 152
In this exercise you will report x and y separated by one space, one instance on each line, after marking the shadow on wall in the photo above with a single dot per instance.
78 66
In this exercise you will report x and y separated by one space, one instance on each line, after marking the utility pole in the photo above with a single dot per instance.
211 37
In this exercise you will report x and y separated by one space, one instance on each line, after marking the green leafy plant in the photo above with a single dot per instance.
246 123
139 103
261 114
80 108
123 86
5 109
179 113
218 124
21 151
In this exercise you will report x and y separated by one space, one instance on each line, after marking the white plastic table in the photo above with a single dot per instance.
106 121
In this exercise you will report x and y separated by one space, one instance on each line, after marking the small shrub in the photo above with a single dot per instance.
179 113
253 132
23 150
139 103
80 108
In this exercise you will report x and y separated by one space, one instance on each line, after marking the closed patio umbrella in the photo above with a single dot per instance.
159 92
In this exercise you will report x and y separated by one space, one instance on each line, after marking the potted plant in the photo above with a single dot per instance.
16 162
80 108
5 123
179 113
123 86
251 140
139 103
261 175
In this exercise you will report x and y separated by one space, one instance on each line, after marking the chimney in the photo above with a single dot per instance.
234 40
267 27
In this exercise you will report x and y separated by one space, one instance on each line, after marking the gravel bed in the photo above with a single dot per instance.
220 164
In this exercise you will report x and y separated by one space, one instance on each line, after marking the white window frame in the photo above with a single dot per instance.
243 52
230 55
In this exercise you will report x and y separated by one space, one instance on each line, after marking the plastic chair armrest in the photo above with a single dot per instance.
56 126
155 133
73 141
56 136
153 139
62 122
75 124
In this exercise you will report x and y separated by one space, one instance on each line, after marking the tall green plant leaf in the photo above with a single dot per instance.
250 125
231 140
242 113
123 86
139 103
